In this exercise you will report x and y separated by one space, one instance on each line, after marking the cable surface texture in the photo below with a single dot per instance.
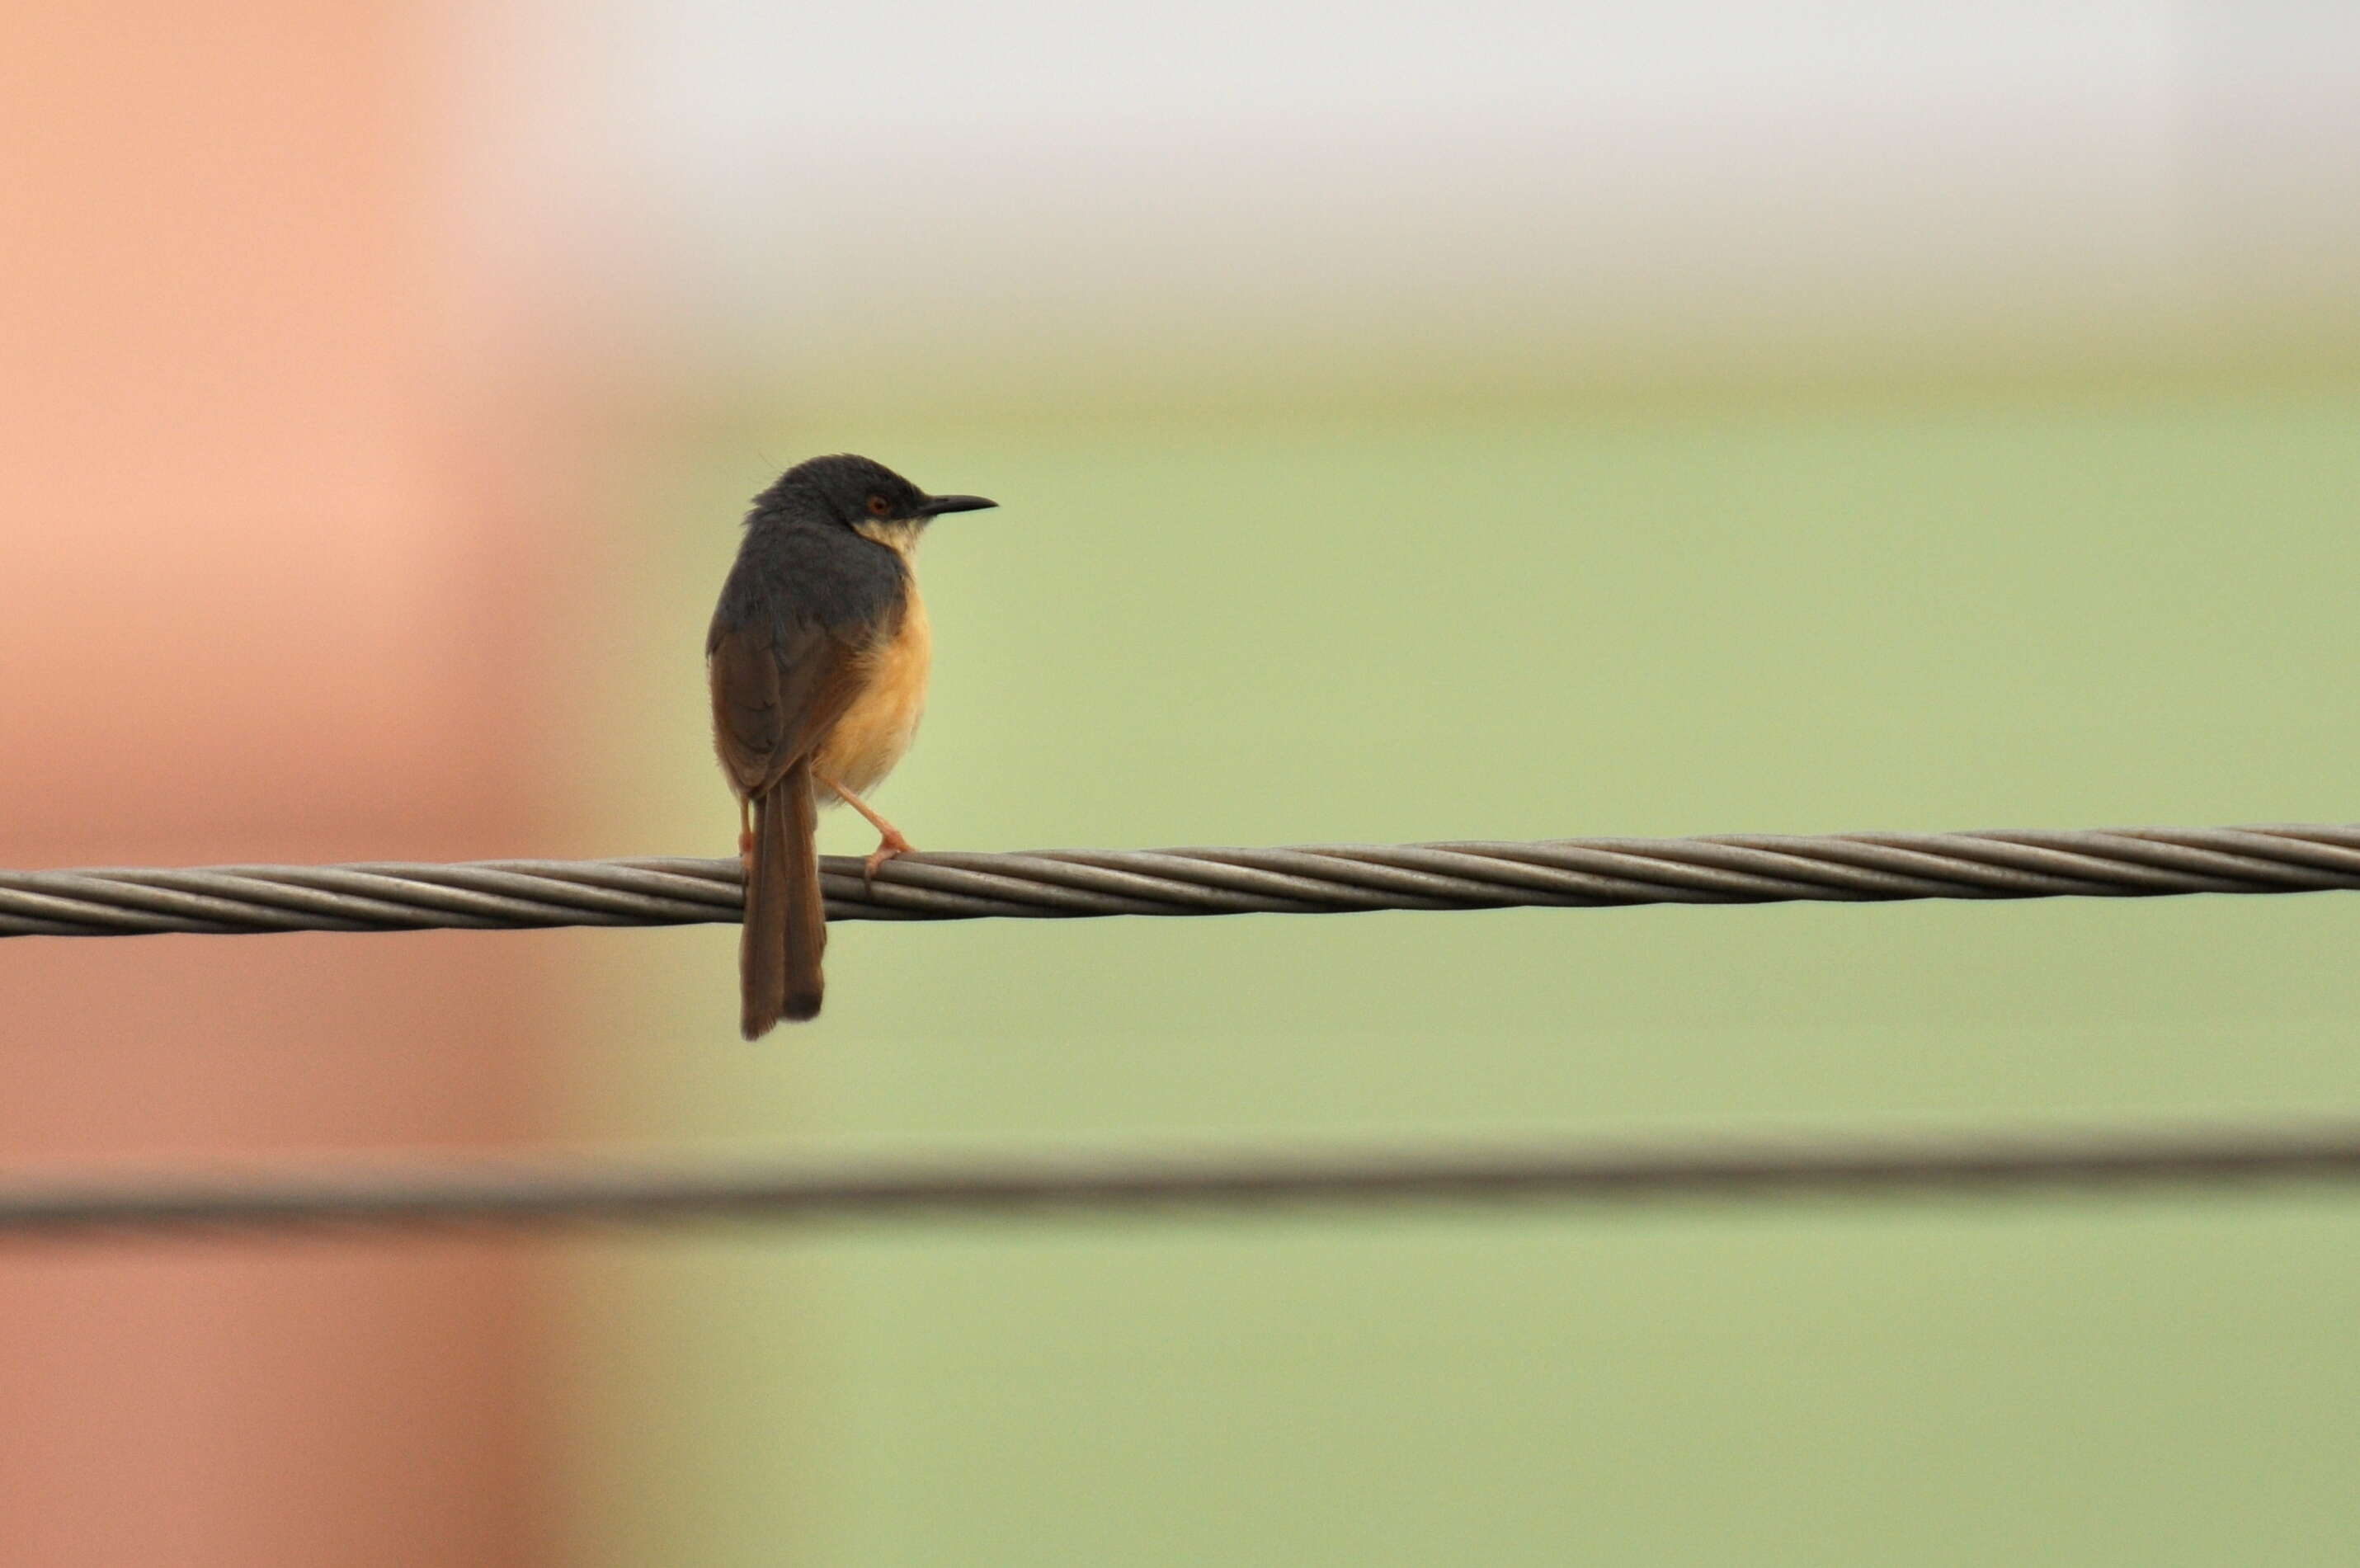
512 1193
1583 873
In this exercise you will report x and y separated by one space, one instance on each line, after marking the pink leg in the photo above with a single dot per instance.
890 842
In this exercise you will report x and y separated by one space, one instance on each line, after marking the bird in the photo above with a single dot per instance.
817 658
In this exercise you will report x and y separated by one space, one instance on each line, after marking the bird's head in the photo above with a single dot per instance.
862 494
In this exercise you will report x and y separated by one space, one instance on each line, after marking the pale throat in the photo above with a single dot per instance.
900 535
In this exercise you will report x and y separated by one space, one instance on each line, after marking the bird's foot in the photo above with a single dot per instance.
746 852
892 843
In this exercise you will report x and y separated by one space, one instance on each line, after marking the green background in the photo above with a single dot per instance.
1882 607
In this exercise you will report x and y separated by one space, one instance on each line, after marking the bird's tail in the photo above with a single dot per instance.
786 916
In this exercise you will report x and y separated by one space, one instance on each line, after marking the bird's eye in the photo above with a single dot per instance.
878 507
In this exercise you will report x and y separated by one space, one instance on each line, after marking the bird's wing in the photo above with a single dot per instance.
777 689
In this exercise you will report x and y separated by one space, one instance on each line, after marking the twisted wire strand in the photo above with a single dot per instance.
544 1192
1584 873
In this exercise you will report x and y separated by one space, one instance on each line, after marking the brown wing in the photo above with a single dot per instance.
773 703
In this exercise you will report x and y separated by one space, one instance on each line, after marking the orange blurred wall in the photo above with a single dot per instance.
262 601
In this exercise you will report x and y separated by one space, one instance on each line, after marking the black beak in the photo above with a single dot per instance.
936 505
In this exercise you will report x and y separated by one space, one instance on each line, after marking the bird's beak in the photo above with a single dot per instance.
936 505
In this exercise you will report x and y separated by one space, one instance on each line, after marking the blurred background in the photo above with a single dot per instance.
1491 420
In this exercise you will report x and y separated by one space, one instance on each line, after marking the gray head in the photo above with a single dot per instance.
858 493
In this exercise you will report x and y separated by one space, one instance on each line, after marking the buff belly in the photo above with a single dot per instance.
883 720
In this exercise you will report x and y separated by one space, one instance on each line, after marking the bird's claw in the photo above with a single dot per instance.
888 848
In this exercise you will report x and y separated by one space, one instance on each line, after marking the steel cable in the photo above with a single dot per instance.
1309 879
445 1192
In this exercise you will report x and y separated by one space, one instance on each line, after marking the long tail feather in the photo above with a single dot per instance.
786 918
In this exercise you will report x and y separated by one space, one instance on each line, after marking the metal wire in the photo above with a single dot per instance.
541 1193
1310 879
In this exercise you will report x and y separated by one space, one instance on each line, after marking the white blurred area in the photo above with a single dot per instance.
1225 195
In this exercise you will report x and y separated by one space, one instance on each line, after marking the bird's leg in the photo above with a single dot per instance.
890 842
746 835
